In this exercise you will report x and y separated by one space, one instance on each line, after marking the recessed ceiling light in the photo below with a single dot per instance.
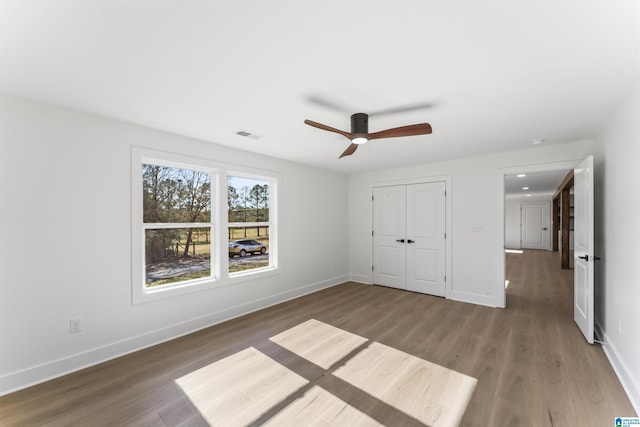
521 175
528 195
525 188
537 141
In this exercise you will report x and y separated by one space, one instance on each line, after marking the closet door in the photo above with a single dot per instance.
409 237
426 238
389 229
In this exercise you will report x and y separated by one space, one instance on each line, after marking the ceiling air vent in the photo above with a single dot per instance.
248 134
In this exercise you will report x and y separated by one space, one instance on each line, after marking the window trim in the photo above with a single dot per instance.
219 224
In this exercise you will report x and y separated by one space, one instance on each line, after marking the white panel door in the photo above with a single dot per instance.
426 238
534 225
583 247
389 236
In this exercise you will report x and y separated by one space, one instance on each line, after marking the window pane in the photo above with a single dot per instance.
177 254
248 248
248 199
175 195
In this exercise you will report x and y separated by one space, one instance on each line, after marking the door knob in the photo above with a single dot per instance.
584 257
544 229
400 240
410 241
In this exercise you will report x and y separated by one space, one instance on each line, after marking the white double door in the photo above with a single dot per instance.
409 237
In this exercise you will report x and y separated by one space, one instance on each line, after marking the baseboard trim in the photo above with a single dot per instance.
57 368
624 374
359 278
488 301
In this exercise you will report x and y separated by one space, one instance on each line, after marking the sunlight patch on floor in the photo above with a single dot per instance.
249 386
319 343
514 251
430 393
238 389
321 408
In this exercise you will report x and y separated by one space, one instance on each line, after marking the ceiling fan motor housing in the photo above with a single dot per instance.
360 124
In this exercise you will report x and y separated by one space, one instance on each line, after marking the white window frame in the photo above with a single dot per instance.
218 222
273 212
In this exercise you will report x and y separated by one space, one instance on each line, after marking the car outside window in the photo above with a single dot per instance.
249 201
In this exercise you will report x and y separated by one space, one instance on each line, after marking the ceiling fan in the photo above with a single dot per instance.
360 131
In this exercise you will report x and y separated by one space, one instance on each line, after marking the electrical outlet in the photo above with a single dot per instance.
75 325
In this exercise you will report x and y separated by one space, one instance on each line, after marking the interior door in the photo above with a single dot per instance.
426 238
389 236
534 225
583 247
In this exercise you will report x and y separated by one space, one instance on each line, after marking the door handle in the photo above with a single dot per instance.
400 240
586 258
410 241
544 229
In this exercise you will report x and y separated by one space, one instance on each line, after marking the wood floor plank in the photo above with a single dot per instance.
532 365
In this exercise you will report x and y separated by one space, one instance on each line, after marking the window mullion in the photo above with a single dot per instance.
165 225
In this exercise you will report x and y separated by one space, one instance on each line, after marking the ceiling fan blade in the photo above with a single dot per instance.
410 130
403 109
349 151
329 128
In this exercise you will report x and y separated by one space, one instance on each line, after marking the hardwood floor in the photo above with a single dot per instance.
532 365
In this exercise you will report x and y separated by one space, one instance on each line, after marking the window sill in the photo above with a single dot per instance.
170 291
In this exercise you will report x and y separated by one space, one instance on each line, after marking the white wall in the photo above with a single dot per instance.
617 205
475 196
65 237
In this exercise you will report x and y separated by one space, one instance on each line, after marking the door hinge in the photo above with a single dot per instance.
372 232
372 268
445 278
445 235
372 196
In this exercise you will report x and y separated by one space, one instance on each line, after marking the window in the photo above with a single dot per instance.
186 226
249 224
176 205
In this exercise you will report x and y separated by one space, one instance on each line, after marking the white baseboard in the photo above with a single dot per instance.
488 301
38 374
359 278
629 383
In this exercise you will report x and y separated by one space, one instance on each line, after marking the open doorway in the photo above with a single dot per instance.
530 187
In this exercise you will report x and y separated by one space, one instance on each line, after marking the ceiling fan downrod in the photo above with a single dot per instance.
360 124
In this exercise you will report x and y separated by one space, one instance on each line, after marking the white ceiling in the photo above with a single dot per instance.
500 73
536 183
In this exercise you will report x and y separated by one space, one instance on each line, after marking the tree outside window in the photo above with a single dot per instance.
177 224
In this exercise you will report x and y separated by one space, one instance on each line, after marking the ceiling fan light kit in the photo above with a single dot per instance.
359 128
360 131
